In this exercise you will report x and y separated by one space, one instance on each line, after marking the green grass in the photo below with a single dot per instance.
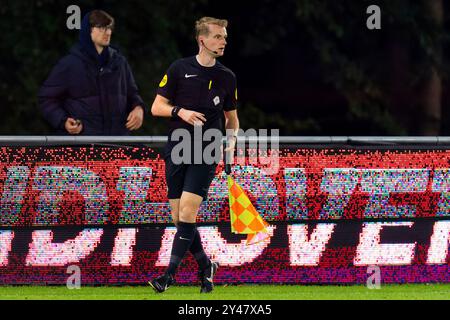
240 292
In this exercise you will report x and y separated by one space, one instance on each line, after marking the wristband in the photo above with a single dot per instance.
175 111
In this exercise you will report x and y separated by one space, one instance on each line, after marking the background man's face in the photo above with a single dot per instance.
101 36
216 40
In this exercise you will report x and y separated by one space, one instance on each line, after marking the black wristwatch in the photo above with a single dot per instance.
175 111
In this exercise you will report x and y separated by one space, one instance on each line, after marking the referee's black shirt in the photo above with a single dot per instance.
208 90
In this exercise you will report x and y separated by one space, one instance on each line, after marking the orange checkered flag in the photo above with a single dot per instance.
243 216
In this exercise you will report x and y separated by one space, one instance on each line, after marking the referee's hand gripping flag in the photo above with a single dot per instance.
244 218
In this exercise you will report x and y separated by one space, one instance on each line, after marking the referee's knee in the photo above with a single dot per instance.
188 213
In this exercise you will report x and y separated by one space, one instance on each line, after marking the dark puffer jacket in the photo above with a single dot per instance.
97 89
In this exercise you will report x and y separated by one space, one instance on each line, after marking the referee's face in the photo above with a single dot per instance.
216 40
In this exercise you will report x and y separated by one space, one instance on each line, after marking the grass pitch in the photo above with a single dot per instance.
234 292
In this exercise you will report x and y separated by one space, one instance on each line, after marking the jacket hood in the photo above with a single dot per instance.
86 44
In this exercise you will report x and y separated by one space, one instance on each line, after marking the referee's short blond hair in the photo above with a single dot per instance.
201 25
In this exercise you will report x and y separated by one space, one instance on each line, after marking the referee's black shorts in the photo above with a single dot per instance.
194 178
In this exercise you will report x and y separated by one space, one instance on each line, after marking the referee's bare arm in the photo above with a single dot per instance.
161 107
232 127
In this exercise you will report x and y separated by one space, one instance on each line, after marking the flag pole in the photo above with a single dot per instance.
226 156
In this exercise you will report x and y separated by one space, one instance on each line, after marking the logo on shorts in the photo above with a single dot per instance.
216 100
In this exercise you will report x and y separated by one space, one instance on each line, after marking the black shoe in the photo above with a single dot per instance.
207 276
162 283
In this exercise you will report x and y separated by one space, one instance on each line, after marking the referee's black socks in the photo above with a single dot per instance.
198 252
181 244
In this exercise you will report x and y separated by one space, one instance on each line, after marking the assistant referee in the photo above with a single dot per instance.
195 90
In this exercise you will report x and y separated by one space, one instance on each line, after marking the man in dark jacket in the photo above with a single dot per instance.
92 91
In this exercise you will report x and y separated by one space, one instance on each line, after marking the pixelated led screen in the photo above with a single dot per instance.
332 213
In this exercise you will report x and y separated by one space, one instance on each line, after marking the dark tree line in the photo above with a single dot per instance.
308 67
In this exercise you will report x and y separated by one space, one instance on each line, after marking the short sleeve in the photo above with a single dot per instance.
232 95
167 86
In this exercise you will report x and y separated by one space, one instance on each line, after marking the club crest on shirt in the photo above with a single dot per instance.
216 100
163 81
